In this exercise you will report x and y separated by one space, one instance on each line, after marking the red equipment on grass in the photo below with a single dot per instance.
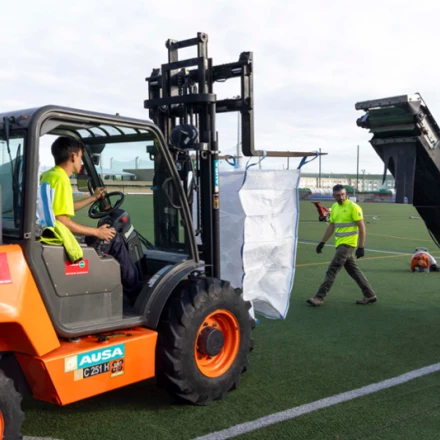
324 213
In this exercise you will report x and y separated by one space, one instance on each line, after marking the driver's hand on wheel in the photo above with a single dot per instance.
105 232
99 193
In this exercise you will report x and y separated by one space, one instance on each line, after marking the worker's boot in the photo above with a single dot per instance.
315 301
367 300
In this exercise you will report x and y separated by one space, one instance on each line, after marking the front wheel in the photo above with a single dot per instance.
204 340
11 415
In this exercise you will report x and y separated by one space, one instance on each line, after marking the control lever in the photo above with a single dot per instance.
97 243
98 247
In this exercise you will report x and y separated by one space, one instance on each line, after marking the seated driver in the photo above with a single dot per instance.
68 152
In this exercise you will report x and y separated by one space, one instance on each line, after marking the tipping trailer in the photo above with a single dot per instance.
406 137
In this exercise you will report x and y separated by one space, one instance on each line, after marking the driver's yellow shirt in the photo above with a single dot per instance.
58 179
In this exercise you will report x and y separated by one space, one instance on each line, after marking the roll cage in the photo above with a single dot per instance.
95 130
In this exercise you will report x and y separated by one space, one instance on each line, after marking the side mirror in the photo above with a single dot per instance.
96 158
82 183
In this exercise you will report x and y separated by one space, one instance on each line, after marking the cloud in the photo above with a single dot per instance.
313 61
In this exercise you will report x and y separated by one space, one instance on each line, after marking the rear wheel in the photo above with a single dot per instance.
11 415
204 340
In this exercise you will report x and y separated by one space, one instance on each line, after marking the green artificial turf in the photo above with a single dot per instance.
313 354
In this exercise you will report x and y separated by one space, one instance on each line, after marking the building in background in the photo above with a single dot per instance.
365 182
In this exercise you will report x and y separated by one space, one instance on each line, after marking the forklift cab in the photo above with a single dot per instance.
146 204
63 323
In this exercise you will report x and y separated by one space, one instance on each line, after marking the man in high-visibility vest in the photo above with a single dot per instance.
346 220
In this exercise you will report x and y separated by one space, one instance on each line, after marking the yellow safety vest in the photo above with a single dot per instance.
60 235
344 217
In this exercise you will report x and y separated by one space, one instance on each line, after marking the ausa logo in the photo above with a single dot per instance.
99 356
216 175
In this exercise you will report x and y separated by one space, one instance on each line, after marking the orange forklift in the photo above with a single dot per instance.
66 332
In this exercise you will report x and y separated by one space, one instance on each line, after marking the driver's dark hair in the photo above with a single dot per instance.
338 187
64 146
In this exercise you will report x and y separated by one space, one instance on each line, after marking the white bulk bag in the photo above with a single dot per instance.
259 215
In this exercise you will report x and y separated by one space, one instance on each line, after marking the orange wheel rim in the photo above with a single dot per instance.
215 366
2 425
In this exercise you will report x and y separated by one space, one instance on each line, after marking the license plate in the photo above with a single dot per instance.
96 369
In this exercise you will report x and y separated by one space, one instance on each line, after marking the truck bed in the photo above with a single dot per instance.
407 139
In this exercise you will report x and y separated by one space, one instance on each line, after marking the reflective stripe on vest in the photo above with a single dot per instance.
346 234
344 225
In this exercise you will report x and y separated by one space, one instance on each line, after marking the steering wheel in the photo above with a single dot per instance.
94 211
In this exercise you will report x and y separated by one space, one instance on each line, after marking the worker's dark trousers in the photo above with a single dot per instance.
129 273
344 258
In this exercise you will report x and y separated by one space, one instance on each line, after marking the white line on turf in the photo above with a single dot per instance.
39 438
319 404
367 249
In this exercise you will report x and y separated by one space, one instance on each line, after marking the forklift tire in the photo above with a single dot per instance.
11 415
204 340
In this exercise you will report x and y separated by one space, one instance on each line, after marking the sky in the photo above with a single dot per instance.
312 62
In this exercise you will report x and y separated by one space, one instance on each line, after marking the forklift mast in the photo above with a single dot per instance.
181 93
